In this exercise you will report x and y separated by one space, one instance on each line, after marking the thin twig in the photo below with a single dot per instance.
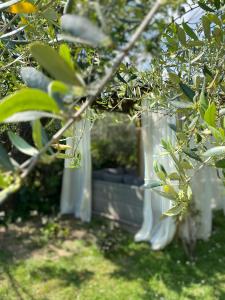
4 28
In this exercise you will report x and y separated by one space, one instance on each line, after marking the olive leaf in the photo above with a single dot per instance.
215 151
22 145
84 31
51 61
34 78
5 163
27 100
187 91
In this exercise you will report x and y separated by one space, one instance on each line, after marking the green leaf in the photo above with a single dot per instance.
206 26
32 115
217 4
152 184
22 145
220 164
121 78
207 72
165 195
203 101
205 7
192 154
167 146
37 134
190 31
58 87
187 91
58 90
174 176
54 64
50 15
175 210
181 105
218 35
9 190
40 138
5 180
169 190
214 19
172 126
185 164
215 151
217 133
34 79
5 163
193 123
210 115
197 77
195 43
181 36
161 175
83 31
24 100
64 52
155 166
173 77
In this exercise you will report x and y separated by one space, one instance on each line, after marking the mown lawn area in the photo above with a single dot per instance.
68 261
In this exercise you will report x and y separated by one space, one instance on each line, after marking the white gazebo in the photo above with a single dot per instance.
79 194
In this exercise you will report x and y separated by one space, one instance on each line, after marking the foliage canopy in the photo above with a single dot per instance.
71 56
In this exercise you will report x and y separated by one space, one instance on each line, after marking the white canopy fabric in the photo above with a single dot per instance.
207 189
154 230
208 195
76 186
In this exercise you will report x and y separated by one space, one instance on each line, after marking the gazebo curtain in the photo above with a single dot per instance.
76 186
208 194
154 230
207 189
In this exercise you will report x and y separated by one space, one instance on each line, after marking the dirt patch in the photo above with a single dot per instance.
34 238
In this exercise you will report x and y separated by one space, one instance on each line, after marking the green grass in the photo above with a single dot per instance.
94 263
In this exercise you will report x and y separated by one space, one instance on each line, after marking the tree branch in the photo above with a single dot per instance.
103 83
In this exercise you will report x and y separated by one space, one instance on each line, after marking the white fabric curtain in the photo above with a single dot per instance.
208 195
155 230
208 191
76 186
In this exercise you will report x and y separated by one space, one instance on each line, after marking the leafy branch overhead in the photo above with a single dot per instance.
58 97
69 62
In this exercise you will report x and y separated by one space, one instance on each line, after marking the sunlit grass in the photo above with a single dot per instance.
99 264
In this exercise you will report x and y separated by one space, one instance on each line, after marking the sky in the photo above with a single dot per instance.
191 17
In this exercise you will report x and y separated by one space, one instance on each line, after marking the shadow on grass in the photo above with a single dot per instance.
6 272
20 292
65 275
171 267
19 243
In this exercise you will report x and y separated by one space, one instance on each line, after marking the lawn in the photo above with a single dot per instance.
68 261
